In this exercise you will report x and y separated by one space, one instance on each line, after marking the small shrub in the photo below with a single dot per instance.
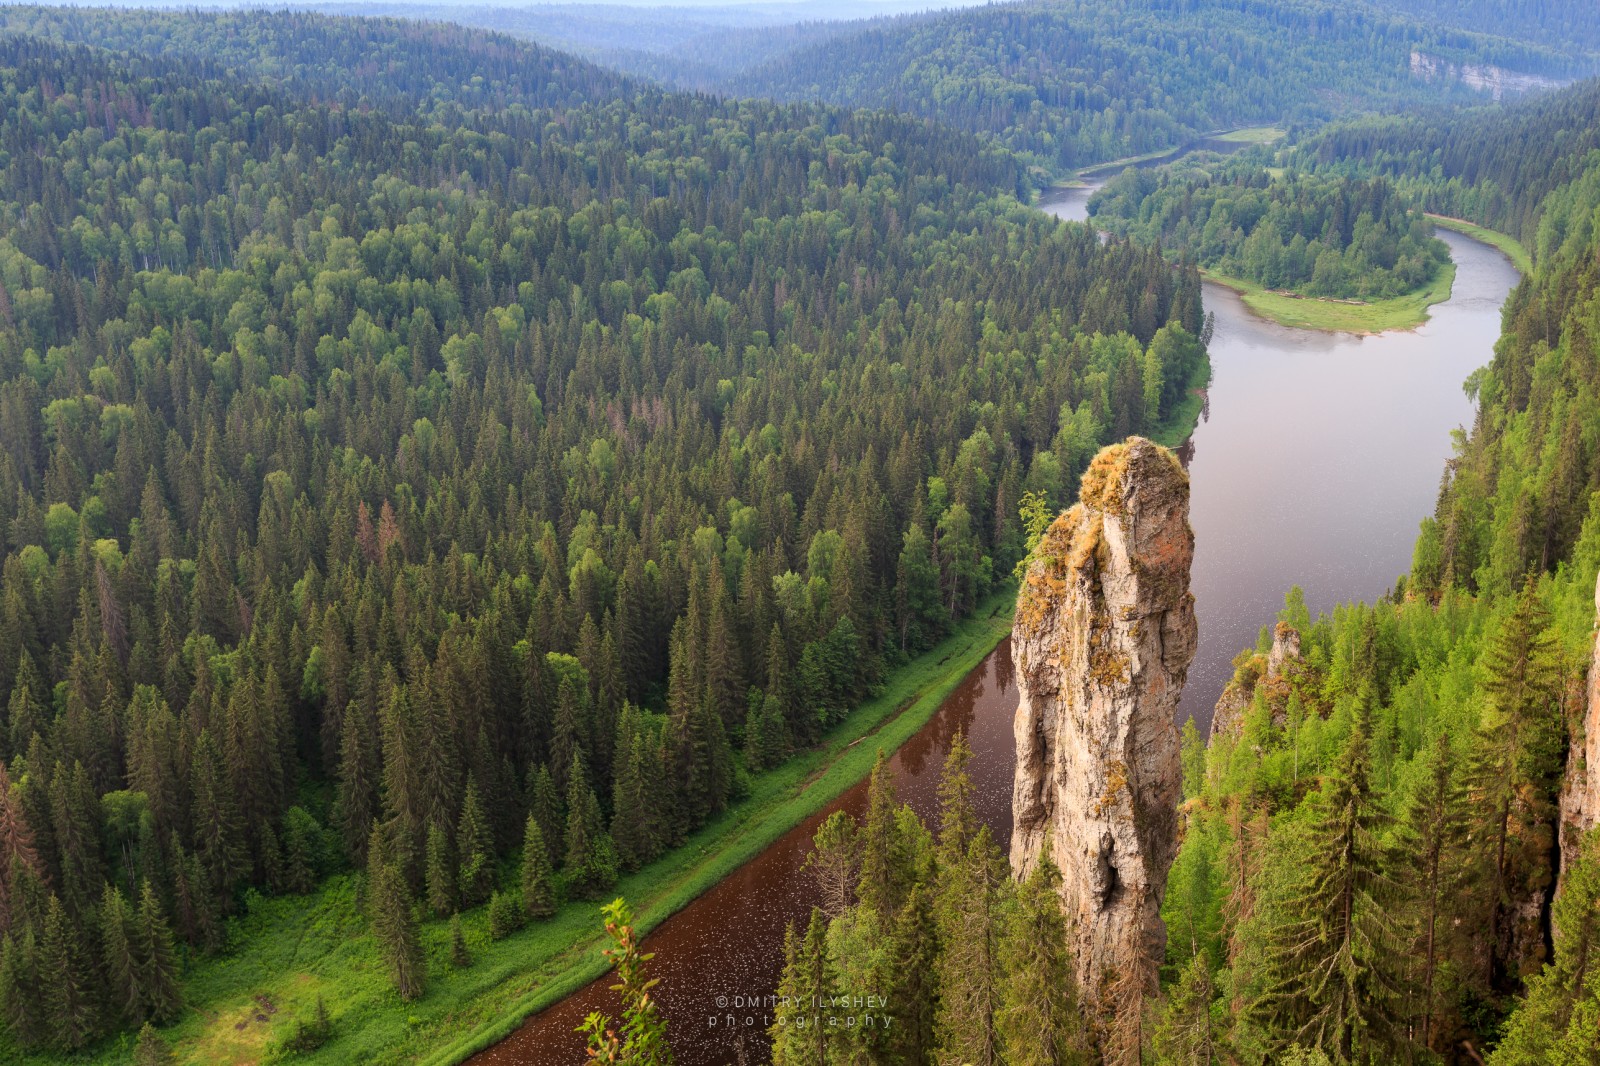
506 915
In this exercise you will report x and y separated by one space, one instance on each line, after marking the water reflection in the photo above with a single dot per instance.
729 942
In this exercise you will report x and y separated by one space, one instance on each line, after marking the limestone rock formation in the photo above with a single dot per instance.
1104 634
1228 716
1580 792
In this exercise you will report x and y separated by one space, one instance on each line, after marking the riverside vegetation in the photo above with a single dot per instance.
480 475
1307 250
1371 840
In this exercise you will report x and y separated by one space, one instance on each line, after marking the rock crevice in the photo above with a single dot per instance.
1104 634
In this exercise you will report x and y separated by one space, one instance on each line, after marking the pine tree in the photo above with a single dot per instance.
394 924
1037 1020
538 881
1333 956
835 863
475 841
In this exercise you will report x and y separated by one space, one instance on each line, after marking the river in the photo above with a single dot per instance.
1317 456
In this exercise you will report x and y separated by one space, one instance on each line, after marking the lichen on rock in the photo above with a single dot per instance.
1103 637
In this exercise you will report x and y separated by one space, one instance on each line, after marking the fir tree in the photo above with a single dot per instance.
439 873
394 924
160 993
66 981
150 1049
913 994
475 840
591 864
538 881
1037 1020
971 896
1334 957
800 1033
460 957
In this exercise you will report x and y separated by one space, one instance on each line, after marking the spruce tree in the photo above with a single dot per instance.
548 810
800 1033
1184 1036
591 863
1512 775
971 898
538 881
1334 957
439 873
66 981
159 989
913 994
20 1000
117 959
1558 1022
475 841
1435 840
150 1049
394 922
1037 1020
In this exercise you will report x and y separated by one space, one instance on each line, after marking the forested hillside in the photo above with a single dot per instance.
1315 235
425 451
1403 768
1073 82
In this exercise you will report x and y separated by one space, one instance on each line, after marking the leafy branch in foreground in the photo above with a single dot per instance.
643 1040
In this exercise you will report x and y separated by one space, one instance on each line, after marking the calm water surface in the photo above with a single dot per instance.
1317 457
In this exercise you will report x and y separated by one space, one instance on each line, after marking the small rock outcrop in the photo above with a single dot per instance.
1227 718
1104 634
1580 791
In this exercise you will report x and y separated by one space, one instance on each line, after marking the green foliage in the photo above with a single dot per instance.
1320 236
641 1039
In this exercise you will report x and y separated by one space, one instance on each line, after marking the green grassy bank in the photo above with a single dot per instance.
286 951
1342 316
1509 245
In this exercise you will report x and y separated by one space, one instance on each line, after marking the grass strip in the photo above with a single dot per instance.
1342 316
285 952
1512 247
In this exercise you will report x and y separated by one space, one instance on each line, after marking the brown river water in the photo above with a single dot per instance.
1316 458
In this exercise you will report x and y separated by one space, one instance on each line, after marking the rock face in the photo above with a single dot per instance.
1104 634
1228 716
1580 792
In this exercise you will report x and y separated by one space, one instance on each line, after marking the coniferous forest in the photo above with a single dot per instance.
444 477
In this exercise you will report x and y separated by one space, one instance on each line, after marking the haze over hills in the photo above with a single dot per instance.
1068 82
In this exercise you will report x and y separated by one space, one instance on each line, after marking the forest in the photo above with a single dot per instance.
1318 236
476 475
1370 837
